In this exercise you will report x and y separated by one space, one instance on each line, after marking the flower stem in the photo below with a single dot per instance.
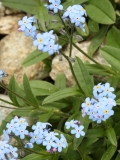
71 70
103 67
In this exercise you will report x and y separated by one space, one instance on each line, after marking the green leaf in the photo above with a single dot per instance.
101 11
111 136
60 81
40 157
87 143
12 86
118 156
112 56
24 111
27 6
109 153
114 81
28 92
76 103
117 129
55 26
95 69
93 26
41 88
70 155
97 40
45 117
43 16
63 93
113 37
93 133
72 2
118 101
83 77
34 57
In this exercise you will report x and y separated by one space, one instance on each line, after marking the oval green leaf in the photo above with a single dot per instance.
111 136
64 93
112 56
41 88
101 11
109 153
28 92
34 57
113 37
83 77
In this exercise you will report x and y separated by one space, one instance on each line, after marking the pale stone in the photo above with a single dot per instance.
2 10
63 66
4 112
9 23
14 48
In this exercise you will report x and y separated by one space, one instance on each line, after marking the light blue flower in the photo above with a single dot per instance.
13 151
21 131
77 19
49 144
31 32
26 23
72 123
20 122
70 12
51 47
6 136
6 150
41 40
55 6
38 139
50 35
50 135
78 131
60 143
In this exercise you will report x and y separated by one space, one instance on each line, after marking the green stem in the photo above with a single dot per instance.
107 69
7 107
71 69
28 102
80 152
6 101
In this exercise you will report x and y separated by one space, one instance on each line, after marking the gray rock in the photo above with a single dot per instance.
14 48
63 66
9 23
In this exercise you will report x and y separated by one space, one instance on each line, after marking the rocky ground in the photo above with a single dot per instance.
14 48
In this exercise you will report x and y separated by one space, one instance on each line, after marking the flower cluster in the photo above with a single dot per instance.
76 15
46 42
77 128
100 107
7 151
54 6
49 139
25 25
18 127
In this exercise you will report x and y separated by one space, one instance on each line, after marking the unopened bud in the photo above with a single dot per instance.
19 29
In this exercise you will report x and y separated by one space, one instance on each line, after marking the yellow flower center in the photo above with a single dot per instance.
106 111
40 40
87 104
97 87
